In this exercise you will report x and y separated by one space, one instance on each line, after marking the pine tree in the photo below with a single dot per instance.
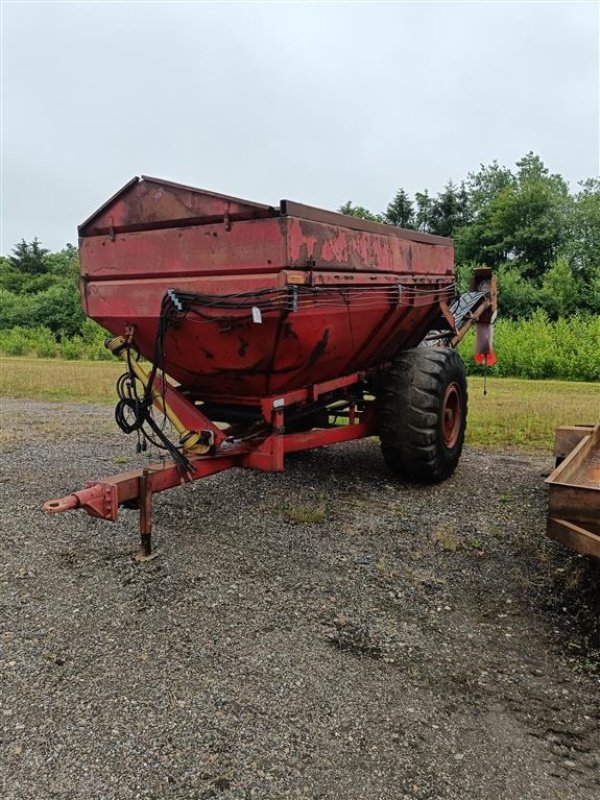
400 212
29 258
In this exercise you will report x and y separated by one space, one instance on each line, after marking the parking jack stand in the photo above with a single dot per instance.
145 553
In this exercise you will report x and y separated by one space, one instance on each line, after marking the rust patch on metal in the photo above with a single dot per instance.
319 348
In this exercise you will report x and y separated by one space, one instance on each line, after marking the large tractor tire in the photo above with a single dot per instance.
423 414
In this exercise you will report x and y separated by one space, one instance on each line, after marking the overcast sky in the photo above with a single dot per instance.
319 103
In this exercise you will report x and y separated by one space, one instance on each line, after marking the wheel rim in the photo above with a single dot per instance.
451 415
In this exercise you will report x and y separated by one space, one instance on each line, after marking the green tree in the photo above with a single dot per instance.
593 293
517 218
400 212
517 297
561 292
26 268
65 263
359 211
583 240
484 185
29 258
536 223
15 309
59 309
450 210
424 211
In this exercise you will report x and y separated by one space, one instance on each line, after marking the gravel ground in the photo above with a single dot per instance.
400 642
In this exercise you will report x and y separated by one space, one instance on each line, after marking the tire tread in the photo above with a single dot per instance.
410 414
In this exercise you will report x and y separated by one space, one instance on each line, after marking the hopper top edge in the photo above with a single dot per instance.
192 203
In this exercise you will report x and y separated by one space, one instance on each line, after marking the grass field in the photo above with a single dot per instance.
53 379
515 413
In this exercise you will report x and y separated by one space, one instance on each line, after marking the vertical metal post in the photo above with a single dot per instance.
352 413
145 553
276 438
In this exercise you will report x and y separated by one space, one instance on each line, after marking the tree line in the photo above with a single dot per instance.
542 240
40 288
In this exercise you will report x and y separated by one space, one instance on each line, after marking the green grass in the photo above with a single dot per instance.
447 539
515 413
307 515
524 413
54 379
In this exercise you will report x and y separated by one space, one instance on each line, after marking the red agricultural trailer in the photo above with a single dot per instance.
272 329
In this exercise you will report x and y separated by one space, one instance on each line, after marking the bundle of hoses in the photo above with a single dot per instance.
133 412
296 297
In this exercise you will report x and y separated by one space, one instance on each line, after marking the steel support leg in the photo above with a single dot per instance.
145 553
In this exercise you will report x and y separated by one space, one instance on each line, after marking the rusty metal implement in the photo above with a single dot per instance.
574 490
265 329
